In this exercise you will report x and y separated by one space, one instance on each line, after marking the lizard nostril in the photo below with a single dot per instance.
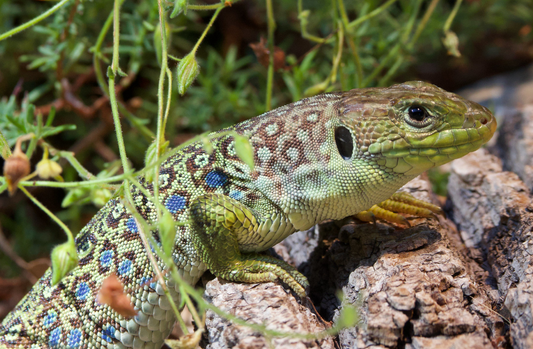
483 121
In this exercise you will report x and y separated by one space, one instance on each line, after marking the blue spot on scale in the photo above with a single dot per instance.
131 225
82 291
236 194
108 334
144 280
175 203
124 267
50 318
54 338
216 179
74 338
106 258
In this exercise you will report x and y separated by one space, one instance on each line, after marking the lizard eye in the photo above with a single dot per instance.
344 141
418 116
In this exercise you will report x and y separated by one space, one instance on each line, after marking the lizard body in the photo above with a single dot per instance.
324 157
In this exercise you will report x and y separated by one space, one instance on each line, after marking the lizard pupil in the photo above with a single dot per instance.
417 113
344 141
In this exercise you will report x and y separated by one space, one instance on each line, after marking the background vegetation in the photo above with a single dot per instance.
53 79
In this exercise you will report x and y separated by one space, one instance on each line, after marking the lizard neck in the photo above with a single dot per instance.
337 192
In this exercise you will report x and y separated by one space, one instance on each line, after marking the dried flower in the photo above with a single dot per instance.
263 55
16 167
112 294
189 341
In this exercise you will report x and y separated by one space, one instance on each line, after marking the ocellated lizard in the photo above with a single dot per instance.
324 157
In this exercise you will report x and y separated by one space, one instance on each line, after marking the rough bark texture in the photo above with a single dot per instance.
461 282
267 304
493 210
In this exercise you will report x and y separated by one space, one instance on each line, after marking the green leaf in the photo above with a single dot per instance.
244 151
5 151
167 232
150 157
348 316
51 116
206 143
56 130
158 41
39 91
75 196
179 7
16 123
64 260
316 89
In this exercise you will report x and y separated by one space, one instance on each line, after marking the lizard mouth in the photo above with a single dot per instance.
414 156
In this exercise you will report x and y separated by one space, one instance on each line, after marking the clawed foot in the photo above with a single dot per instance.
263 268
400 202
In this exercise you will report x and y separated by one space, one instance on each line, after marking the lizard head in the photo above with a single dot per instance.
411 127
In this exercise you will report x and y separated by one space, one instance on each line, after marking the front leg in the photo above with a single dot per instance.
221 226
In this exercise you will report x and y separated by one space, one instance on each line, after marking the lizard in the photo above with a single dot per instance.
320 158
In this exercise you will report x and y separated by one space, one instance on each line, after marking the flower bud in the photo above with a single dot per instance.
187 72
451 42
64 259
100 197
16 167
47 168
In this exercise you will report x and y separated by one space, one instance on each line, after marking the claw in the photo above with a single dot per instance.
366 216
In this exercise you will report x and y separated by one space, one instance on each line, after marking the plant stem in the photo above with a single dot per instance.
451 17
33 21
90 183
118 126
215 15
160 135
112 93
270 75
116 36
423 22
49 213
371 14
97 55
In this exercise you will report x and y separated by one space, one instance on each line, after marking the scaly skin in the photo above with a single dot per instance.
306 172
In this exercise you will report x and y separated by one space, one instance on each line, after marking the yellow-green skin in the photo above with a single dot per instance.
300 179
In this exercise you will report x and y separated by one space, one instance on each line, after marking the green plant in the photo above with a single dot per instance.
100 61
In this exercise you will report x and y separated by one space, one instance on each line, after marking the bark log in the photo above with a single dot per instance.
413 288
